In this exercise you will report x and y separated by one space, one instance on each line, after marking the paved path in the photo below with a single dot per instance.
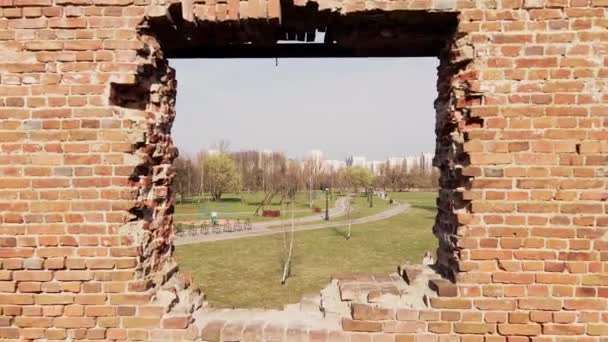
234 213
338 210
262 228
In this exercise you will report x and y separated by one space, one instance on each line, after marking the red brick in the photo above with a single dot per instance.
367 312
73 322
539 304
39 322
176 322
366 326
563 329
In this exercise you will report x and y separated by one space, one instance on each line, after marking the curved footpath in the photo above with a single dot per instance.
262 228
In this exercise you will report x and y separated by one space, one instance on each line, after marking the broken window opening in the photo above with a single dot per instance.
386 34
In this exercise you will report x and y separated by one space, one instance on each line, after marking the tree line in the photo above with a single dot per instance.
275 175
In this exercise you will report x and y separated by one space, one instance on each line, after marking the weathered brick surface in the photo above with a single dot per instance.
86 105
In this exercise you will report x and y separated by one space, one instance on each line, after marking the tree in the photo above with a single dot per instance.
186 182
221 175
287 264
275 178
381 180
199 165
357 177
181 181
221 145
248 162
349 210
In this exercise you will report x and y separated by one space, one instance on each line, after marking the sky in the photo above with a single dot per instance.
375 107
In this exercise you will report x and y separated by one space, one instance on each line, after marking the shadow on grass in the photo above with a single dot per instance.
191 201
228 199
210 201
425 207
340 232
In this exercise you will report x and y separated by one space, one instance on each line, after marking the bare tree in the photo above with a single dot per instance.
248 163
276 179
221 145
312 169
287 265
200 162
283 229
348 212
271 172
180 183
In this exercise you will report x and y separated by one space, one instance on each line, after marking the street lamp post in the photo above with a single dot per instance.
371 197
326 204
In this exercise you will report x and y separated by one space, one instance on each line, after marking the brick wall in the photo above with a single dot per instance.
86 106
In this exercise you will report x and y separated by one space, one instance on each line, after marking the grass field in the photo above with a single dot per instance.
359 206
247 272
242 206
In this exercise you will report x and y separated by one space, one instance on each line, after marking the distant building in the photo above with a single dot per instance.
411 163
375 166
356 161
332 165
426 162
394 162
264 155
315 162
316 158
349 160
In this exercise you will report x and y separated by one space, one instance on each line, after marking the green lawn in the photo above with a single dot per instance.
420 200
247 272
242 206
360 208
